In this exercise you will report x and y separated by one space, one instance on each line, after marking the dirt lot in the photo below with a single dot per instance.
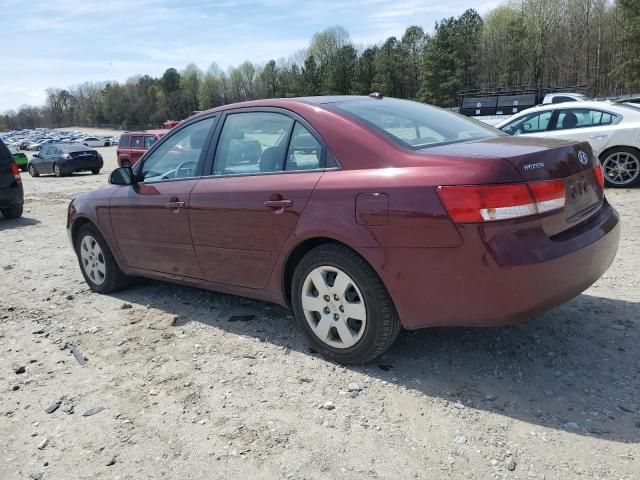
188 392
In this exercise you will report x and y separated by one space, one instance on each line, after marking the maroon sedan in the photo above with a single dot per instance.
364 214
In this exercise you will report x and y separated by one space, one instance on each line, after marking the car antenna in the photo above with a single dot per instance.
376 95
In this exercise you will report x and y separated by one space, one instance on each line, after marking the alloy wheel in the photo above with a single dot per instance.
93 261
621 168
334 307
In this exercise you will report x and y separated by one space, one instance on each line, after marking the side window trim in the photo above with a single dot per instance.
137 169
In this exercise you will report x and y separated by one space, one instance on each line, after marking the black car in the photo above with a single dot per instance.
11 193
64 160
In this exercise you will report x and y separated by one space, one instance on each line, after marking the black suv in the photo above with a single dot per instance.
11 193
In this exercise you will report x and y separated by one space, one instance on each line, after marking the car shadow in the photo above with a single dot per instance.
575 368
14 223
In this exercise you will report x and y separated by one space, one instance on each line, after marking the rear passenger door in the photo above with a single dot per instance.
45 163
267 163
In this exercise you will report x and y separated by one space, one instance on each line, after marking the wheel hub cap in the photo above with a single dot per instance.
621 168
334 307
92 260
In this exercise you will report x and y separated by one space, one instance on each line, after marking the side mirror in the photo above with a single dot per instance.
122 176
36 155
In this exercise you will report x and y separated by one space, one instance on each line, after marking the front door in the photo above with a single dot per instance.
150 219
266 166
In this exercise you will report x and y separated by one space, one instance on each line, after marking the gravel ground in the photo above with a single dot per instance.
175 385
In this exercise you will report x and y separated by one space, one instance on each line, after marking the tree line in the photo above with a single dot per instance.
595 43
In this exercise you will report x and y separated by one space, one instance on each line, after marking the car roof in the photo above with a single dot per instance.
67 147
163 131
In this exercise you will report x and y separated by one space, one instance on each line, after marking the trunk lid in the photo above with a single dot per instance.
540 159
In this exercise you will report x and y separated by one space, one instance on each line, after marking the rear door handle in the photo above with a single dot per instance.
278 204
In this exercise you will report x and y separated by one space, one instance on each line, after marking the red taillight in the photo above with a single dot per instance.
15 170
486 203
599 175
548 195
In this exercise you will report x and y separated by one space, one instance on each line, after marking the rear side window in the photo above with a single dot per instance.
416 125
149 140
5 154
582 118
124 141
254 142
136 142
305 152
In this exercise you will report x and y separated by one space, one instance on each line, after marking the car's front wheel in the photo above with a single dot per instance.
95 171
97 264
12 212
57 170
621 167
342 305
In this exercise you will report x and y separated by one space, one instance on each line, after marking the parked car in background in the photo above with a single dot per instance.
612 130
63 159
132 145
11 192
95 142
36 146
363 214
20 158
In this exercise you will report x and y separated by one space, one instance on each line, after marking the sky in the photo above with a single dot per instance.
59 43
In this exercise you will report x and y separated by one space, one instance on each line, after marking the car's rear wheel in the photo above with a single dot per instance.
126 163
33 171
95 171
106 144
97 264
12 212
342 305
621 167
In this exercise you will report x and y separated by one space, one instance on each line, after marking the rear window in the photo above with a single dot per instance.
416 125
124 141
5 154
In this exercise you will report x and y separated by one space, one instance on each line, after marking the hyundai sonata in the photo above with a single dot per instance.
365 215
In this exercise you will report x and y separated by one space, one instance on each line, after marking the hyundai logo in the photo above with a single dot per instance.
583 157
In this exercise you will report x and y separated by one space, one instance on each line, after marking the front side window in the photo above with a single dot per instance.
582 118
532 123
252 142
179 155
414 124
305 152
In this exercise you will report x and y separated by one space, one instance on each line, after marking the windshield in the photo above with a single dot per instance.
416 125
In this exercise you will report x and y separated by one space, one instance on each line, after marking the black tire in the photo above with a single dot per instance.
126 163
57 170
12 212
33 171
114 279
106 144
95 171
626 180
382 322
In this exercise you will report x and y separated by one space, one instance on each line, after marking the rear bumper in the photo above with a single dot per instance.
500 275
11 196
81 165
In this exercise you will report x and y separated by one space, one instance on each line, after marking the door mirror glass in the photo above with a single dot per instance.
122 176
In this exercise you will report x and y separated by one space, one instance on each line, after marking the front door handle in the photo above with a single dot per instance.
174 204
278 204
